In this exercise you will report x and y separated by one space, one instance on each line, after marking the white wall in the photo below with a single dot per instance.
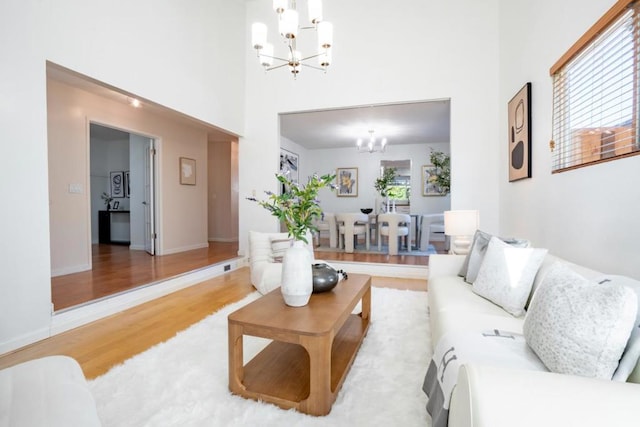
587 215
327 160
390 52
178 54
223 193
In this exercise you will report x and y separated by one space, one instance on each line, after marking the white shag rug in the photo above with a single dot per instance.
184 381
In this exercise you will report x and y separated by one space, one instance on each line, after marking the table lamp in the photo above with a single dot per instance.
461 226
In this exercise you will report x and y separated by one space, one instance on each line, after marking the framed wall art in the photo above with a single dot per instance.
519 114
429 184
187 171
289 164
127 185
347 182
116 183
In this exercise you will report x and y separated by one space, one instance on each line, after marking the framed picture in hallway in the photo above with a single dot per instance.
347 182
116 182
187 171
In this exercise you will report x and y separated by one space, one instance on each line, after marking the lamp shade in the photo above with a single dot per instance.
315 11
324 57
325 34
258 35
461 223
289 24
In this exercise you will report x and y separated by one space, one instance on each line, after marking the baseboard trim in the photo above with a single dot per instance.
185 248
383 270
223 239
70 270
24 340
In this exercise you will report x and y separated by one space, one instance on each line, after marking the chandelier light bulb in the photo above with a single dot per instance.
359 142
289 24
258 35
315 11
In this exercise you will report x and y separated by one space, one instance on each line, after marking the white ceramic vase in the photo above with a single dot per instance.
297 276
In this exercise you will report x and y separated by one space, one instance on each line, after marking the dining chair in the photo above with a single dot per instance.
350 225
327 223
394 226
432 230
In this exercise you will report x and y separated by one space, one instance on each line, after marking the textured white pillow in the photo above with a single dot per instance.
631 352
278 247
506 275
476 254
577 326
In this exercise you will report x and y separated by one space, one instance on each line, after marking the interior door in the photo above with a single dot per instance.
149 202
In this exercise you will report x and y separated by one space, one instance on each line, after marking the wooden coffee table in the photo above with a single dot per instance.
312 350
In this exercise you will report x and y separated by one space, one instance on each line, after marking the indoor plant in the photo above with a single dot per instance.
442 177
383 183
297 207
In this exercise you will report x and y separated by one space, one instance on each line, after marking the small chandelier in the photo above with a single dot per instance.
372 145
288 28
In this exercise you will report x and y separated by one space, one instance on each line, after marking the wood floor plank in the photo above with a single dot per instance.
100 345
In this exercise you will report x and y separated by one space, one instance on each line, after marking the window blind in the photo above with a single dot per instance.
595 96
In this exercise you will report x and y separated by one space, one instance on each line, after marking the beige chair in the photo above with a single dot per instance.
394 226
432 230
350 225
327 224
265 271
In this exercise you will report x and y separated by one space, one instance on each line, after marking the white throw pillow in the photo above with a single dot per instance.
506 275
577 326
476 254
278 247
631 352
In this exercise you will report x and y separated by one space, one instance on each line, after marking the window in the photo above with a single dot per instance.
595 92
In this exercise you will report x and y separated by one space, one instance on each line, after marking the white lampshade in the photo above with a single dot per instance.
289 24
315 11
325 34
266 55
324 57
258 35
359 142
279 5
461 223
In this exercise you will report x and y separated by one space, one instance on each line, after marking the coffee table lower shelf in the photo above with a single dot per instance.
281 372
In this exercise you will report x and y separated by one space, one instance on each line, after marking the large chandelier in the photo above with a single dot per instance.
371 145
288 28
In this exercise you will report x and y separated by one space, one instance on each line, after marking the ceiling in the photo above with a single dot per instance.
417 122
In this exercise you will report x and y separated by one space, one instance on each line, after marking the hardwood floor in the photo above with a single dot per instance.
105 343
117 269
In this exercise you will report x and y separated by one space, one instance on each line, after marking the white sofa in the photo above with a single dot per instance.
51 391
488 395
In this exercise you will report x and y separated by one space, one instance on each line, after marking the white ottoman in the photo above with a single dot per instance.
51 392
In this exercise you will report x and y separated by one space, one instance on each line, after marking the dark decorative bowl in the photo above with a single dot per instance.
325 278
366 211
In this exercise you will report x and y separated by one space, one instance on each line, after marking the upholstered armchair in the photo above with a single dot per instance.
328 224
350 225
394 226
432 230
265 258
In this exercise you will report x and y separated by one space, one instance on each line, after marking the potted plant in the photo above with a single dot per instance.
107 199
382 184
442 177
297 207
